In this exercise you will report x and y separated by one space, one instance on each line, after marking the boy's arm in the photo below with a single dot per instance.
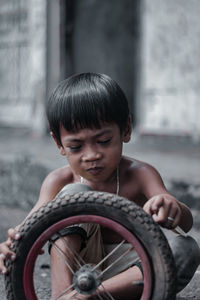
50 187
52 184
161 205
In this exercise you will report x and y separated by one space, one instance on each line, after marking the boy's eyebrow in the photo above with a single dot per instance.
102 133
74 139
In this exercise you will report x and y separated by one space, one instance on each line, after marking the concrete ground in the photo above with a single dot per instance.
177 160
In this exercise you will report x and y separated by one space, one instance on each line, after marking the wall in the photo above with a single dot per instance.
168 101
170 87
22 68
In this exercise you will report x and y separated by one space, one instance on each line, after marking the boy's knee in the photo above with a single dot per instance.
186 254
73 188
71 239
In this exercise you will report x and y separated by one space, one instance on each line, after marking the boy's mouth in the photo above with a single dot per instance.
94 170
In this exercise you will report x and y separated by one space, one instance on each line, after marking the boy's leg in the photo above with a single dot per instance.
61 257
119 287
69 248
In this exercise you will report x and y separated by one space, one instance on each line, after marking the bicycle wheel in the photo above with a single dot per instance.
118 214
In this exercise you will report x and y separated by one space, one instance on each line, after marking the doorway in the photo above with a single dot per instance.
103 37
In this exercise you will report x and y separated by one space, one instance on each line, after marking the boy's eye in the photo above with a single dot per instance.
104 142
74 148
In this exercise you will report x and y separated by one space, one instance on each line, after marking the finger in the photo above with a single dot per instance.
176 216
170 219
5 250
161 216
157 203
150 206
146 208
8 242
13 234
3 269
173 217
154 208
169 224
154 204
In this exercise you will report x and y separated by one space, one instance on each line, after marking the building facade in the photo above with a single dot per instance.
151 48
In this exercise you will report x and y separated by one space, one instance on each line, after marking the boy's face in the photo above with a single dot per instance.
94 153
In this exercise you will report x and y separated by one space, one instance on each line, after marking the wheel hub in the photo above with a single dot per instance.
86 280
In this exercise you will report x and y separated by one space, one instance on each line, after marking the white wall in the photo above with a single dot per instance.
23 63
170 78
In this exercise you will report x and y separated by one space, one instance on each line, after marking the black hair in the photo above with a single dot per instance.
84 101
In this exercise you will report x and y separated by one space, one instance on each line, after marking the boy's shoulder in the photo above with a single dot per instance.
136 166
140 180
139 172
58 178
54 182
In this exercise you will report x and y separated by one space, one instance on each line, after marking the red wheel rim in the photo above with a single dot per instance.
28 281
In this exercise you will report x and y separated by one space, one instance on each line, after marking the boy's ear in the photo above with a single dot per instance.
60 147
127 131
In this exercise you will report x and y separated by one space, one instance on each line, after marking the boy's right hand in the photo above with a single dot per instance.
5 252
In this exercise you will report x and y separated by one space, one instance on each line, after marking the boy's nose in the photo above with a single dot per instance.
91 155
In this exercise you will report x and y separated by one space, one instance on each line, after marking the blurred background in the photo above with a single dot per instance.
151 48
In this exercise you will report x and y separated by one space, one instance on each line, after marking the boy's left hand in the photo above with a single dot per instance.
164 209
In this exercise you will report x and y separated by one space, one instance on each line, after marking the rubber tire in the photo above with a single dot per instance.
107 205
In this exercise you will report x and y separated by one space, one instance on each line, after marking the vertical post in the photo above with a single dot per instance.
53 45
37 19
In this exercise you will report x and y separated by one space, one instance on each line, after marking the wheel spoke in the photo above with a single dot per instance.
117 260
64 256
64 292
77 257
98 296
108 255
107 293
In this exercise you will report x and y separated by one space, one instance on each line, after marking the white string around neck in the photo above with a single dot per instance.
117 181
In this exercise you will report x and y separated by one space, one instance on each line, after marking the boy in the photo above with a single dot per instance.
89 120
